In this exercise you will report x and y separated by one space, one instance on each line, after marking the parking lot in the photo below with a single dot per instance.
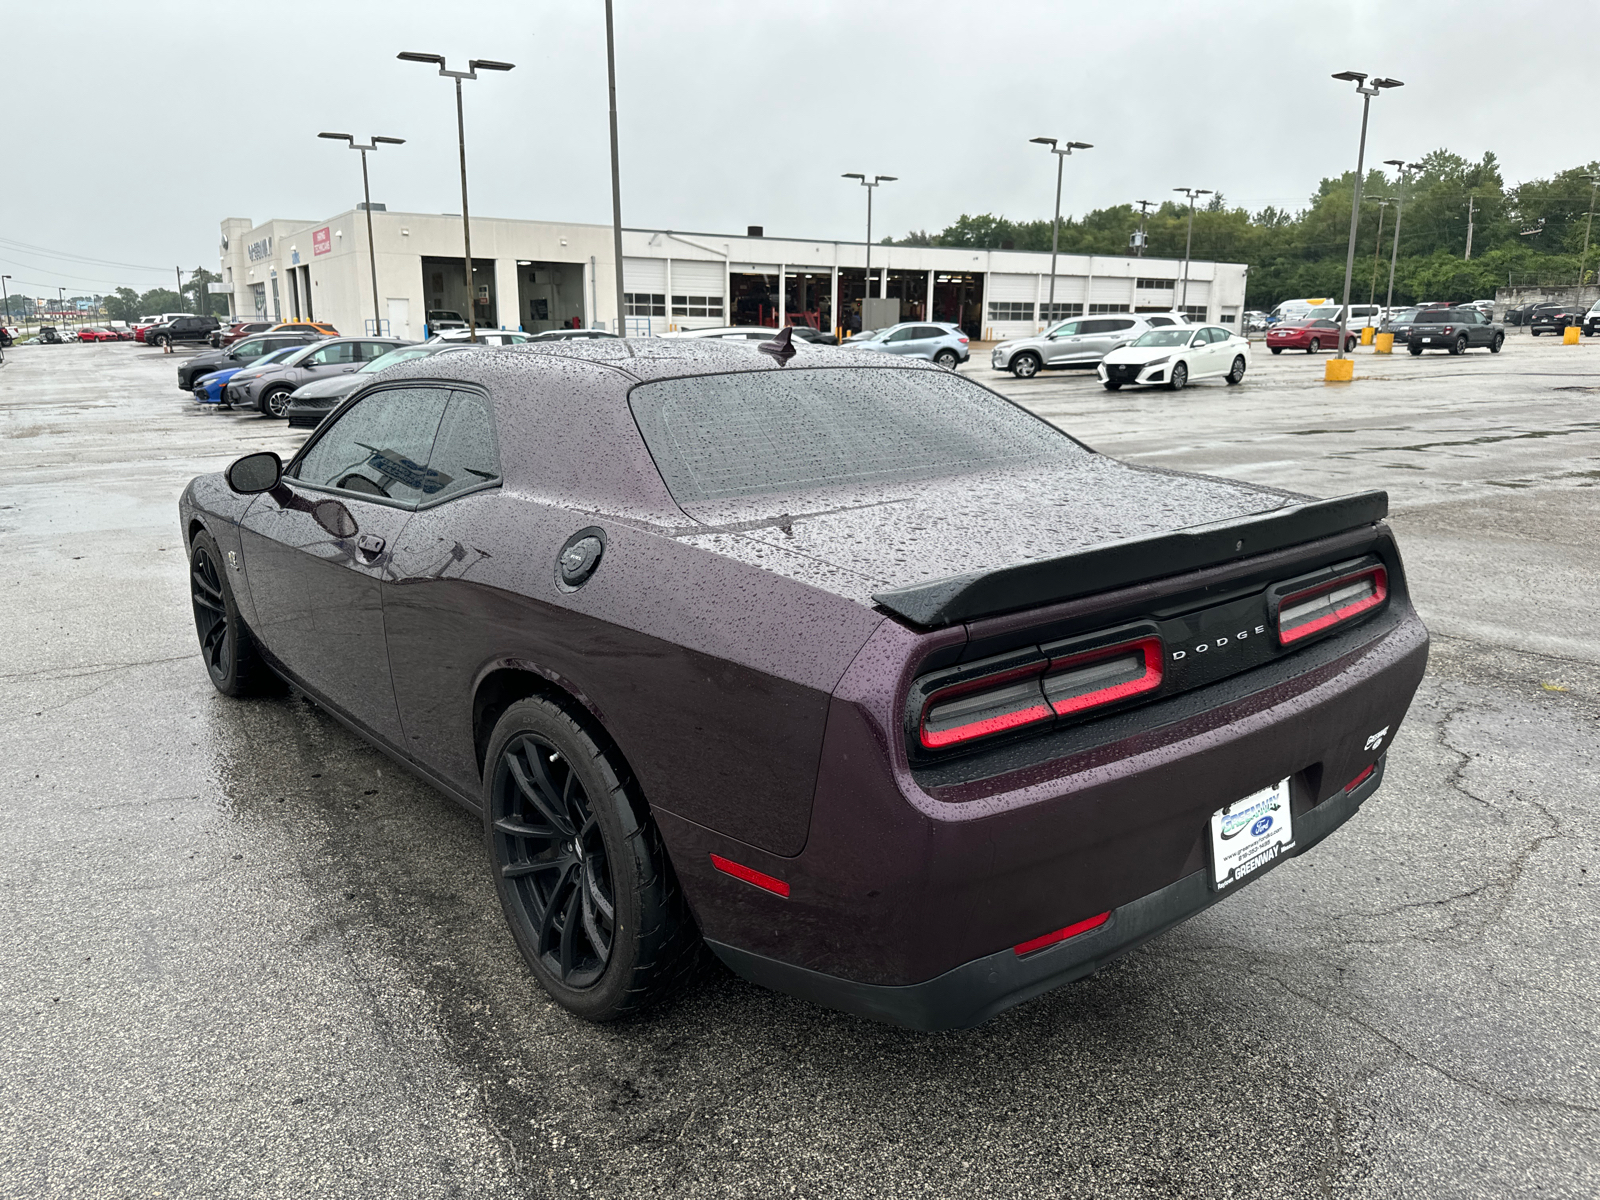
246 955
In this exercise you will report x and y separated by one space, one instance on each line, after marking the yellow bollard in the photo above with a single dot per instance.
1571 335
1367 332
1339 370
1383 344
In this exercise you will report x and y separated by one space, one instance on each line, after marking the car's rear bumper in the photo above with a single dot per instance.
973 992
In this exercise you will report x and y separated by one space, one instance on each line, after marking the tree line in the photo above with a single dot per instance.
1534 232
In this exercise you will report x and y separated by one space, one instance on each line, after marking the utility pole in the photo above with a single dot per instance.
1401 168
1471 204
181 308
6 296
1144 208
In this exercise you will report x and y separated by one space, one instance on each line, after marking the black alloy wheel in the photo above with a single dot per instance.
947 359
1459 346
1025 365
583 878
1499 340
226 645
275 401
1236 375
1178 377
1315 346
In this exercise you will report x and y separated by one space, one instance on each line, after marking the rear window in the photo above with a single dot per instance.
1435 316
722 436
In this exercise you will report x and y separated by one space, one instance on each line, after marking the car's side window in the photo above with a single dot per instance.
463 455
903 335
379 448
1101 326
1070 329
1217 334
1119 326
341 352
371 350
930 331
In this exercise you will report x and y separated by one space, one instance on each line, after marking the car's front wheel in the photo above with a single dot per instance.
1236 374
275 401
1025 366
947 359
163 341
584 880
1179 377
229 651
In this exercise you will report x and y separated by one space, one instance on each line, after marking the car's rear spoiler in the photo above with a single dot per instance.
1118 564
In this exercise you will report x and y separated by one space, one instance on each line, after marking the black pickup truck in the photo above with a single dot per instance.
180 329
1454 329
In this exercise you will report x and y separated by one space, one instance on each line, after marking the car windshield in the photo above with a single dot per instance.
275 356
753 433
399 354
1165 337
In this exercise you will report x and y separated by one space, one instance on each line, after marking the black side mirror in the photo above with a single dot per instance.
255 473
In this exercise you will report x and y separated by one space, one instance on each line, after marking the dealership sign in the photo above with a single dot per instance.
320 242
259 250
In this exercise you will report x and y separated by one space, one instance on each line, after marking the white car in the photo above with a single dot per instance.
1172 358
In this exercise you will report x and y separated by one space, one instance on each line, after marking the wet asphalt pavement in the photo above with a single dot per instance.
247 956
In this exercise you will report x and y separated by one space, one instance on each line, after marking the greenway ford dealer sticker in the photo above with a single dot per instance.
1250 833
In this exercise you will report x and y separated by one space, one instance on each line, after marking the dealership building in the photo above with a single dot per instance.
537 275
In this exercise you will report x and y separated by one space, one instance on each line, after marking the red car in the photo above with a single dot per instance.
1310 335
238 329
96 335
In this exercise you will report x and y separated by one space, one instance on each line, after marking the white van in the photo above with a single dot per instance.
1299 310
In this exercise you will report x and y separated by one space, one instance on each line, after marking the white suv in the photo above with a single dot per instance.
1076 342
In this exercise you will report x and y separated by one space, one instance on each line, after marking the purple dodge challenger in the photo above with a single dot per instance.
893 695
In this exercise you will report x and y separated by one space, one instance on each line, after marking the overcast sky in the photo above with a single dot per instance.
131 129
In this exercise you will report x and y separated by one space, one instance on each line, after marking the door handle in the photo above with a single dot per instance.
370 545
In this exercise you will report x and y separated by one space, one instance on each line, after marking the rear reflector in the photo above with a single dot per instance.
750 875
1360 779
984 706
1103 676
1313 610
1061 935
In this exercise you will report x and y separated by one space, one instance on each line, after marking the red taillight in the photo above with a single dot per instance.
750 875
1316 608
963 341
1098 677
1061 935
980 707
1360 779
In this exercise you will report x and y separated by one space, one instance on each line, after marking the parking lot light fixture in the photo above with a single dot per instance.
1188 241
366 193
1401 168
473 66
1367 91
869 185
1061 152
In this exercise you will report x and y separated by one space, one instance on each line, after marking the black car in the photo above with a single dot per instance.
1554 318
181 329
242 352
1454 329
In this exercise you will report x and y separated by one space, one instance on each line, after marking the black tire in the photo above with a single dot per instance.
1276 349
1112 385
1416 351
163 341
568 837
229 651
948 359
1499 341
1177 377
1350 344
275 402
1026 365
1459 346
1315 346
1533 332
1236 374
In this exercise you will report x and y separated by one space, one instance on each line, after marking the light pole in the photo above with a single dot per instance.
616 176
1377 245
7 297
1188 241
875 181
1367 91
1583 263
1401 167
461 137
1061 153
366 192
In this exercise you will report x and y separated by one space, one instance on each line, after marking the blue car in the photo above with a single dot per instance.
208 389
